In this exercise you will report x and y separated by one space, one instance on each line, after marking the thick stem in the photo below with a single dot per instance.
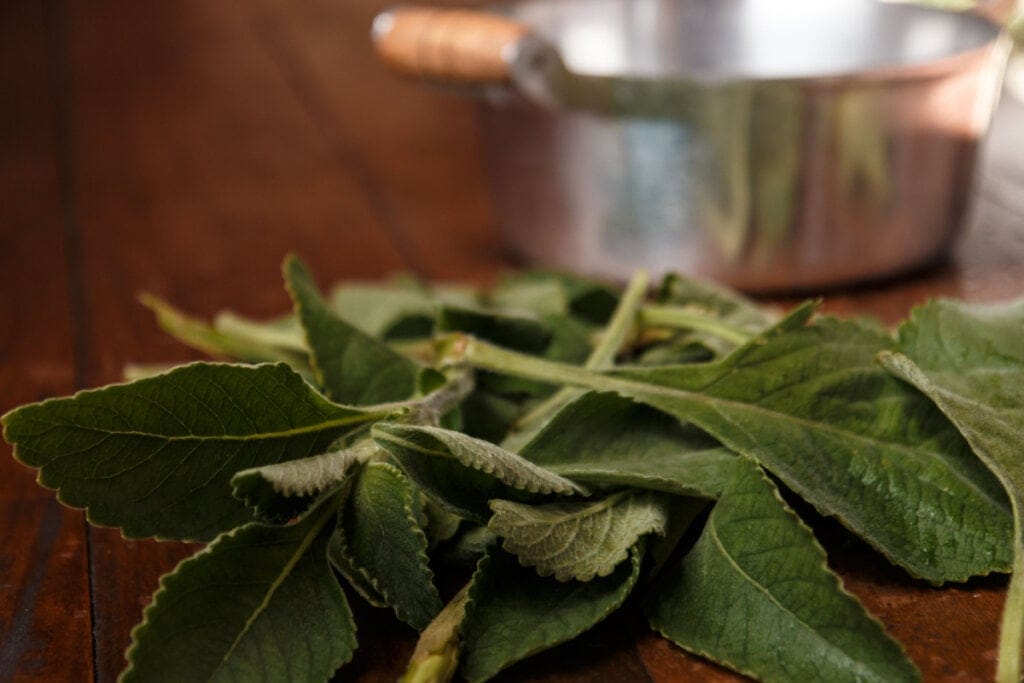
1011 632
436 656
488 357
602 357
677 316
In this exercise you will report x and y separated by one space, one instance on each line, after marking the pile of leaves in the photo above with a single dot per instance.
568 443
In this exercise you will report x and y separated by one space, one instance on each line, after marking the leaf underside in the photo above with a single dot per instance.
578 540
462 473
278 493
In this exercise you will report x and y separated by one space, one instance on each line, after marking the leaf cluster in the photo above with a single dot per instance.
574 445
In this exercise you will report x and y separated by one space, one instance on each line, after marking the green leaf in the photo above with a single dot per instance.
729 316
726 304
220 343
282 333
578 540
259 604
556 293
462 473
605 439
352 366
513 613
969 360
809 402
379 535
280 492
530 296
399 309
521 332
755 594
156 457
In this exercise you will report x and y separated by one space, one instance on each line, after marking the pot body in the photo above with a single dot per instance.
767 184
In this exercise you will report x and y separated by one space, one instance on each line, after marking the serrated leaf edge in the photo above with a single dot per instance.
421 555
635 557
823 564
564 574
553 483
307 541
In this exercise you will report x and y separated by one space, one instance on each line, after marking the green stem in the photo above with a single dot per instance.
678 316
1011 632
488 357
602 357
436 656
621 325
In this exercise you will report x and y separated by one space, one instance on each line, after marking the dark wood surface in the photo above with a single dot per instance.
183 147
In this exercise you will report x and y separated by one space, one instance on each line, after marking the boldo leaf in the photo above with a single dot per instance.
353 367
259 604
513 613
462 473
579 540
380 538
809 402
755 595
223 343
606 439
156 457
280 492
969 360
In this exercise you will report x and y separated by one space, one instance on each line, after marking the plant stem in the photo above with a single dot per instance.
1011 632
430 408
602 357
437 652
621 325
678 316
480 354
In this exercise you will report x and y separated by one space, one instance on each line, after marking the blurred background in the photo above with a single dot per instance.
183 147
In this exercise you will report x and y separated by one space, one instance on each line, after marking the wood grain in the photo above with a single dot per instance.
44 582
183 148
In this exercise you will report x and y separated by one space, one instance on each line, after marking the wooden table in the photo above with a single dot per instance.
183 147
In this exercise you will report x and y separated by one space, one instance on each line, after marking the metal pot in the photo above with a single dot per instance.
770 144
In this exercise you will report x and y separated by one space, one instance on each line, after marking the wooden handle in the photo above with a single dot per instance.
448 45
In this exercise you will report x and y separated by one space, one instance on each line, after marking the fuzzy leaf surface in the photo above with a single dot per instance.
969 360
156 457
810 403
463 473
606 439
755 594
259 604
280 492
353 367
514 613
578 540
379 535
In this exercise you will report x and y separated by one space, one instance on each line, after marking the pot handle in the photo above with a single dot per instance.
448 45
